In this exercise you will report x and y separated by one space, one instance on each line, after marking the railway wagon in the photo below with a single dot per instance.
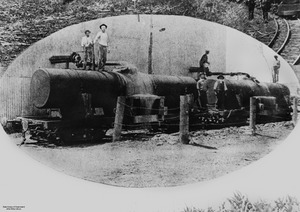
289 8
85 101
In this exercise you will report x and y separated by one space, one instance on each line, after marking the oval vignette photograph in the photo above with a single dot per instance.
148 94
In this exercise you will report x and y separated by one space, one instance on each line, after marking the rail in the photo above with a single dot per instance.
271 43
286 38
296 62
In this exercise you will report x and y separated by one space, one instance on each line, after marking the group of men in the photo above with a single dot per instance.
265 5
87 44
220 87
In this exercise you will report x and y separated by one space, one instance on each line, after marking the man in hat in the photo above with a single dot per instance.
275 71
220 89
265 6
202 97
103 41
251 7
204 63
87 45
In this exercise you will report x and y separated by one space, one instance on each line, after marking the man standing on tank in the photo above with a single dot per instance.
87 45
251 7
103 41
203 63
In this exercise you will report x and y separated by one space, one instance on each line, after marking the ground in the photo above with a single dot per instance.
148 160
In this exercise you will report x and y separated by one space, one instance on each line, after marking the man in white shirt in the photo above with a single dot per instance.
220 89
87 45
275 71
103 40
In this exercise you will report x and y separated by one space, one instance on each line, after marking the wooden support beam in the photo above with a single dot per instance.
253 101
295 111
119 118
184 120
145 119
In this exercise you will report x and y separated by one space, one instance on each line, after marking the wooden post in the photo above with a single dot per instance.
295 111
252 115
184 120
119 118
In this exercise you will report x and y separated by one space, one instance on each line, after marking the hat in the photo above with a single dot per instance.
202 75
276 56
220 77
206 50
87 31
103 25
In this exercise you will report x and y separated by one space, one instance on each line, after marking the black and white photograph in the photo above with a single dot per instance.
143 105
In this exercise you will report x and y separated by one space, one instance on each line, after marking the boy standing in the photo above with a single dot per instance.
102 38
87 45
276 67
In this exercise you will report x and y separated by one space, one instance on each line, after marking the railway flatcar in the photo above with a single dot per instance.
289 8
80 105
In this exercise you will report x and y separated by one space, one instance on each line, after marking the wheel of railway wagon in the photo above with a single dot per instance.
171 128
154 127
60 137
59 141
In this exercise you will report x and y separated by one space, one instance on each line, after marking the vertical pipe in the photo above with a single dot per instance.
252 114
119 118
295 111
184 120
150 71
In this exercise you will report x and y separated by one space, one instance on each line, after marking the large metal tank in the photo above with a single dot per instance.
239 92
60 88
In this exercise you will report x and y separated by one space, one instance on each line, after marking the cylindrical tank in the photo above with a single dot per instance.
59 88
172 87
239 92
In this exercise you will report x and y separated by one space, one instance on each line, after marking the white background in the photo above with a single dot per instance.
26 182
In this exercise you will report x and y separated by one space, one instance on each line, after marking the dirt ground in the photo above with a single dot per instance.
145 160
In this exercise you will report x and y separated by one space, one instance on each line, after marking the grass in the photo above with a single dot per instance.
241 203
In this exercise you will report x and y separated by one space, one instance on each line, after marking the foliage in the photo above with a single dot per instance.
241 203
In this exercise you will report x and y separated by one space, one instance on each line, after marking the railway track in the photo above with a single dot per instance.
286 40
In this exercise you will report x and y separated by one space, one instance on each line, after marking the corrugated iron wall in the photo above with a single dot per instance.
15 97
